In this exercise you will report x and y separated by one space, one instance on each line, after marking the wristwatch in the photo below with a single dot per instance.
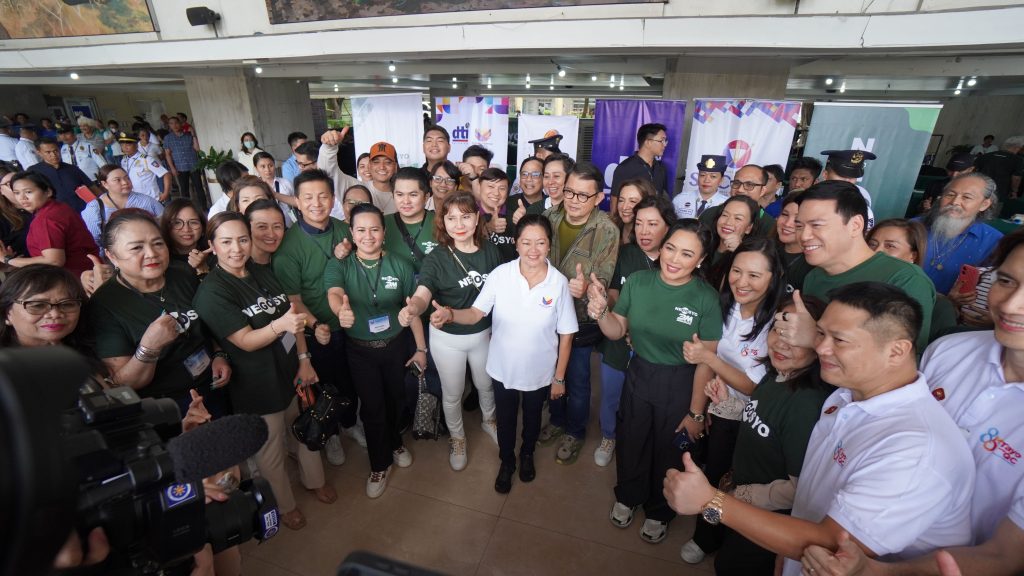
712 511
424 350
698 418
559 381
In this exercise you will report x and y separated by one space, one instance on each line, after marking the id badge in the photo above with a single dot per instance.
379 324
288 341
197 363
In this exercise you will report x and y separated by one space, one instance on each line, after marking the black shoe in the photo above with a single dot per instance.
503 483
472 401
526 470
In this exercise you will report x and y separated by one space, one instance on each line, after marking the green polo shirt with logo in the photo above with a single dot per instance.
615 353
390 279
300 262
422 235
455 278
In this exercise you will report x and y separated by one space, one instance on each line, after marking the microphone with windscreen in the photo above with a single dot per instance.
216 446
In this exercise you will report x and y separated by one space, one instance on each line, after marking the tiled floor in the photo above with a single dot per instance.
455 523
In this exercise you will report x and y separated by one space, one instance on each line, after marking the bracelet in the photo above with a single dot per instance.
305 356
146 356
559 381
602 314
222 354
424 350
274 330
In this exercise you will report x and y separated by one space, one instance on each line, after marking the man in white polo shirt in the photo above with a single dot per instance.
884 462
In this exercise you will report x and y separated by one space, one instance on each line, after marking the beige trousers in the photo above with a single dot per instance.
270 458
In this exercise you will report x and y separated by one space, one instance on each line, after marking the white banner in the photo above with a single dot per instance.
535 126
744 131
473 120
393 118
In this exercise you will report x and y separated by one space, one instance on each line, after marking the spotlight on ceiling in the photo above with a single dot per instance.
972 81
842 87
391 66
394 79
258 70
828 81
561 73
454 85
593 78
956 92
74 75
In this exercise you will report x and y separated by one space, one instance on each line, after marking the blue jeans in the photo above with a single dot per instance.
573 411
611 393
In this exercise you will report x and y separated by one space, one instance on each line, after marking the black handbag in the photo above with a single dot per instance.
319 420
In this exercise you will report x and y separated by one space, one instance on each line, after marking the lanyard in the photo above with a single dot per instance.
373 287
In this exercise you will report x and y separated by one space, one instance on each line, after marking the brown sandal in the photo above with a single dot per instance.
325 494
294 519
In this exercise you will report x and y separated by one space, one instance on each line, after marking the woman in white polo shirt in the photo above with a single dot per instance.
531 336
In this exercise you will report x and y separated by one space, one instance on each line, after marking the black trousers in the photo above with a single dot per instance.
741 557
190 185
506 401
721 446
331 365
378 375
655 398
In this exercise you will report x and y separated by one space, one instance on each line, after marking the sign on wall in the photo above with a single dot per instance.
744 131
897 133
394 118
473 120
536 126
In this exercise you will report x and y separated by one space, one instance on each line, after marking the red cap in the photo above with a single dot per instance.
383 149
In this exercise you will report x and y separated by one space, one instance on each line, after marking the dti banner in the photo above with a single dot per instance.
535 127
394 118
744 131
473 120
897 133
615 126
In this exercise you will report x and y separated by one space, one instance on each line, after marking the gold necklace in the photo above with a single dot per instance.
365 265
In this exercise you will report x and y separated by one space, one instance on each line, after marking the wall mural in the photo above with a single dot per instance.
53 18
288 11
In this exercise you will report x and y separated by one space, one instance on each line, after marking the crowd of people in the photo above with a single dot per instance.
818 387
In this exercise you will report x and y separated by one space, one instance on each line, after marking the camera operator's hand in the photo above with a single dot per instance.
203 562
197 414
71 556
160 332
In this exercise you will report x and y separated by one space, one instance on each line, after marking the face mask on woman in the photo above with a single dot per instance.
249 144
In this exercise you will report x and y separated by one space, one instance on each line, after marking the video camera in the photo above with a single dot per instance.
104 462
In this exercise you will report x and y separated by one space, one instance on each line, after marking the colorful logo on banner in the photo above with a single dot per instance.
480 120
616 123
744 131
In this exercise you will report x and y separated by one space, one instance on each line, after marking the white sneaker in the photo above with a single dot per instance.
491 427
605 452
335 453
402 457
376 483
356 433
654 531
621 515
457 453
691 553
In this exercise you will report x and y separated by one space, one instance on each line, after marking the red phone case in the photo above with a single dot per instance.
969 276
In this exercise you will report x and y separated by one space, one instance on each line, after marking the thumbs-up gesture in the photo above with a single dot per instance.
796 326
197 259
94 278
346 317
520 212
291 322
497 223
695 352
342 249
597 296
442 315
687 491
578 284
407 313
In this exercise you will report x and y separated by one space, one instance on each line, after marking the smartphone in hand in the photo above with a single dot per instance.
968 279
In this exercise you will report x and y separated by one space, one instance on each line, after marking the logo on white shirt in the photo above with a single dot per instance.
992 442
547 301
839 455
686 316
390 282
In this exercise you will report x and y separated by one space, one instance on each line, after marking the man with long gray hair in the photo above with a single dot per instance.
957 233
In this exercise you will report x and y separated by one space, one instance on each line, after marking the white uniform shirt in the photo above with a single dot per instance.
871 213
83 155
153 150
979 149
115 146
25 150
525 325
686 203
8 144
742 354
892 470
966 376
144 173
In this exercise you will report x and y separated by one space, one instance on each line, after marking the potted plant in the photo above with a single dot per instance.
208 162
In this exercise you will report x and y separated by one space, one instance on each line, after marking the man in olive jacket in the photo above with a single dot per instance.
584 247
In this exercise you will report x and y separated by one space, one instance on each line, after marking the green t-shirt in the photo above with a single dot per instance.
567 234
881 267
506 241
662 317
764 226
615 353
118 317
451 285
261 380
774 430
943 317
300 262
796 269
392 280
422 235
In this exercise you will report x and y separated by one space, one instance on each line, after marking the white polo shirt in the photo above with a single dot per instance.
742 354
144 172
525 324
892 470
966 376
687 202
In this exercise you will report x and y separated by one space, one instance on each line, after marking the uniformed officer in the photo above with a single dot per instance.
848 165
78 152
693 203
548 145
143 170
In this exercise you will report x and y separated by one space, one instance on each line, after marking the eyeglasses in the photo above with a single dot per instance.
570 194
42 307
659 140
179 224
305 165
747 186
443 180
530 175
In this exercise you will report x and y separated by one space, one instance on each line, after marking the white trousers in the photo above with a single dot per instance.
451 352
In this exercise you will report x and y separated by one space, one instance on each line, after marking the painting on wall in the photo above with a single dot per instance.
289 11
78 107
53 18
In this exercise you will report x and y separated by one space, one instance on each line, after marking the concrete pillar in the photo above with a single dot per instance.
690 77
225 106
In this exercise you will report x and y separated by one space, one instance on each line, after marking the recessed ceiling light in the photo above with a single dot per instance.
391 66
956 92
828 81
454 85
259 70
74 75
972 81
593 78
561 73
394 79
